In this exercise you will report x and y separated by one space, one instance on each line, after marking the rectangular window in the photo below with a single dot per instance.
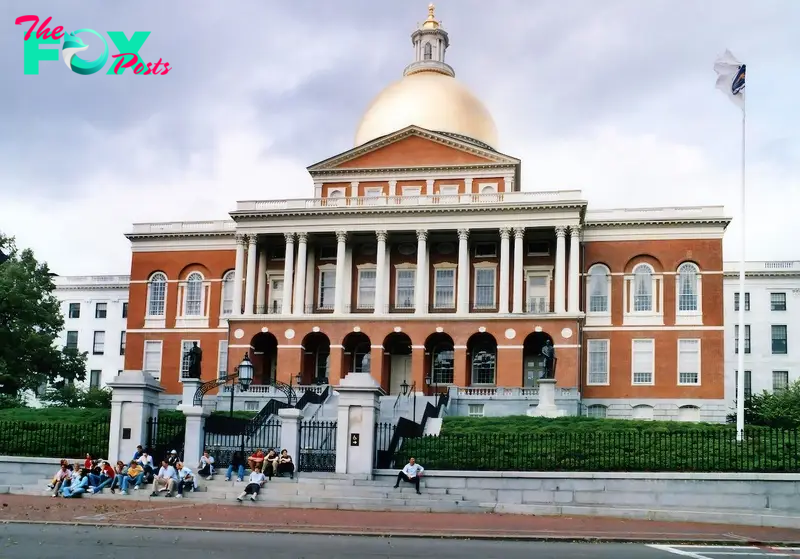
748 383
99 345
125 310
444 288
366 289
746 338
746 301
538 294
277 251
94 378
476 410
779 340
72 339
597 366
643 360
327 252
688 361
152 357
484 288
327 288
777 301
100 310
485 250
74 310
404 298
123 336
222 359
251 405
186 345
780 380
538 248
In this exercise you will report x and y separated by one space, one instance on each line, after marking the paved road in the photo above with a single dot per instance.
26 541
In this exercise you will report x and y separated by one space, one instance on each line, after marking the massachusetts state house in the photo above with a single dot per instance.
418 258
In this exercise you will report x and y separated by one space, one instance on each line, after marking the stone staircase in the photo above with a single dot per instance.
307 490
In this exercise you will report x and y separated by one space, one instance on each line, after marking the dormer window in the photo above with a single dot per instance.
427 52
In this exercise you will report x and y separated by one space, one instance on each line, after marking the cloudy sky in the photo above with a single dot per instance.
613 97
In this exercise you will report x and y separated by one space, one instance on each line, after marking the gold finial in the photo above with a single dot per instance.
431 22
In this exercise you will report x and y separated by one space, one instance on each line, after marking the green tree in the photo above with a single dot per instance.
30 321
72 396
779 409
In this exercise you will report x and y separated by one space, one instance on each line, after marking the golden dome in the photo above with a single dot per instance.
430 100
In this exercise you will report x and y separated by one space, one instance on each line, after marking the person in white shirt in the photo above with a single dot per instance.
167 477
255 484
185 479
410 473
206 466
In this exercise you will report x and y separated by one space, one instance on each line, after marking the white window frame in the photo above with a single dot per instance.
182 320
694 410
445 266
323 269
222 364
639 342
223 316
589 371
102 342
336 197
180 359
98 307
782 372
366 268
597 407
486 188
404 268
538 271
481 266
412 191
699 361
271 301
156 320
153 343
689 317
598 318
476 410
448 190
653 317
650 411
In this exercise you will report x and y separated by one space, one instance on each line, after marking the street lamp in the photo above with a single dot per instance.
244 377
404 387
298 379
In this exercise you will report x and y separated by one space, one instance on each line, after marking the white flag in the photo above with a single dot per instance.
731 77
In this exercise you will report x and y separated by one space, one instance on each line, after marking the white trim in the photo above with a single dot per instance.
366 268
160 357
664 232
511 347
699 361
180 358
445 186
323 269
409 190
183 320
629 328
588 361
273 275
484 266
222 316
565 346
373 191
176 330
537 271
599 318
404 268
222 367
495 187
693 317
240 346
653 317
444 267
652 344
294 346
156 320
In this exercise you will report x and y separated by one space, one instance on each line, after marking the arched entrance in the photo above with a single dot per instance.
482 352
533 362
439 361
316 358
397 363
357 357
264 357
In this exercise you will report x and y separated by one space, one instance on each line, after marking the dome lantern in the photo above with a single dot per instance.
430 44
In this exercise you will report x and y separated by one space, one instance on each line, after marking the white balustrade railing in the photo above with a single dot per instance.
501 392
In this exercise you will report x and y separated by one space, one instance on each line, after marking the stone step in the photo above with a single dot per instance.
271 493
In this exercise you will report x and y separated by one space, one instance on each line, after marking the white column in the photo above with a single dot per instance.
238 274
462 298
508 183
421 289
519 275
559 303
300 276
381 300
505 233
261 284
250 284
288 274
358 408
573 283
290 431
134 400
341 254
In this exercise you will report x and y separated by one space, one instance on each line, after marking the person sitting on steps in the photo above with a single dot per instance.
270 467
256 459
237 463
411 474
284 464
257 480
206 466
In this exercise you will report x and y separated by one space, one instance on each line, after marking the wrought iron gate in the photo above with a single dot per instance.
226 435
163 436
317 446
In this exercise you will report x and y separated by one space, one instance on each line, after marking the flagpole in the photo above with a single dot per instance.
742 297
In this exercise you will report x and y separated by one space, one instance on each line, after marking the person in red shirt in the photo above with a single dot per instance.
88 462
105 479
257 459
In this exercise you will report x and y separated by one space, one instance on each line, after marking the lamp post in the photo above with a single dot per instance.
245 377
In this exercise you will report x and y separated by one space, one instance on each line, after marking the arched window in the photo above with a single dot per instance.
427 51
598 289
643 288
643 412
156 294
687 288
442 363
484 361
194 295
489 189
361 358
688 413
227 293
596 410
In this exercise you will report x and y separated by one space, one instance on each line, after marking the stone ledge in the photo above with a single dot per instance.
709 476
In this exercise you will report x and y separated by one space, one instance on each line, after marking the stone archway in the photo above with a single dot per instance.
482 353
533 362
357 353
316 362
439 361
397 364
264 356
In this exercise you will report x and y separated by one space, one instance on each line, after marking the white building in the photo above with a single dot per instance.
95 310
772 325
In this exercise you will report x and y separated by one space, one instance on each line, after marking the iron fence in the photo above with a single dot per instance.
383 440
712 450
53 440
222 445
165 434
317 446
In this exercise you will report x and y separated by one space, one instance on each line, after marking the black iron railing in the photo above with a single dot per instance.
57 440
716 450
317 446
165 434
223 445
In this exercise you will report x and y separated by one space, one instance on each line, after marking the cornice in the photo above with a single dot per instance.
93 287
400 172
658 222
773 274
179 235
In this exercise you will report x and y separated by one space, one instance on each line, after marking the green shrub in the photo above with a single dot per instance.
522 424
773 409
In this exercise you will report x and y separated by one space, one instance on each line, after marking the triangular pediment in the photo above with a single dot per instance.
415 147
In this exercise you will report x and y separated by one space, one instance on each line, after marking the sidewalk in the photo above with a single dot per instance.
185 514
